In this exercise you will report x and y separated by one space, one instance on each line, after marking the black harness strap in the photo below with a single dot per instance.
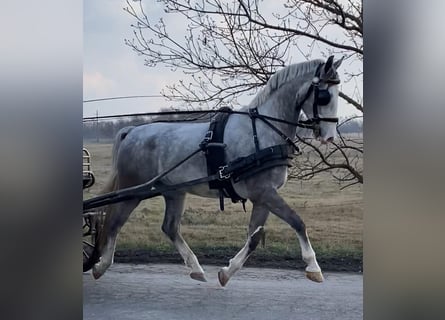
216 160
253 114
263 159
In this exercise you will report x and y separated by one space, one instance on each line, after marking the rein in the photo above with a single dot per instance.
312 123
300 123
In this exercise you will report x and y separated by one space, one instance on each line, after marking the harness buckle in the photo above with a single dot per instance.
222 175
208 136
253 112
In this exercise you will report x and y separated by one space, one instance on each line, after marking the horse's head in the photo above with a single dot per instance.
320 102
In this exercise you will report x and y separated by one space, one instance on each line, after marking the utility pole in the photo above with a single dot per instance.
97 125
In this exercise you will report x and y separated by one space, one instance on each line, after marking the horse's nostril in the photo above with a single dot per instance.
331 139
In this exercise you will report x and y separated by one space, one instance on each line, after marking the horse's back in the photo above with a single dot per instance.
150 149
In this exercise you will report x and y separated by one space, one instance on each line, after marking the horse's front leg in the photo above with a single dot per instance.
279 207
174 208
256 232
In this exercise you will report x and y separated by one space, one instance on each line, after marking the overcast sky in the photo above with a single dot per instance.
112 69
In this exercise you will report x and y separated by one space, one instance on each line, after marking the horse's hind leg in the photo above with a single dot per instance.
256 232
114 220
174 208
279 207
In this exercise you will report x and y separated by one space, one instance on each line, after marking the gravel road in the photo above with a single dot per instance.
165 291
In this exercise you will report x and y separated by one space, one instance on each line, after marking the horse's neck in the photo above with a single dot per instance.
282 106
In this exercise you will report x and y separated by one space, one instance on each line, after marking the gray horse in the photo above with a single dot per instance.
141 153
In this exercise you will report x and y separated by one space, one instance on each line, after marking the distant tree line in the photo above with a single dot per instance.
105 130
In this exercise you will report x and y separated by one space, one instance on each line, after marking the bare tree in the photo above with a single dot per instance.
343 159
232 47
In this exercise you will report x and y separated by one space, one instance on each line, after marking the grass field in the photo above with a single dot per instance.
333 217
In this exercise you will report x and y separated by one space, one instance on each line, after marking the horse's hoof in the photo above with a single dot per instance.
198 276
315 276
97 271
223 277
97 274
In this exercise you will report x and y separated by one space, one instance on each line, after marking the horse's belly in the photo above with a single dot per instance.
202 190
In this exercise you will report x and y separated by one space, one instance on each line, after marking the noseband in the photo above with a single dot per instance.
322 97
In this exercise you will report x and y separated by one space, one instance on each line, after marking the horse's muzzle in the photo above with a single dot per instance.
325 141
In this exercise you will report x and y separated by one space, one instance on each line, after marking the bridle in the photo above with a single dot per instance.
322 97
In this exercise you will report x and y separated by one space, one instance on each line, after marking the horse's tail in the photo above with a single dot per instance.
112 183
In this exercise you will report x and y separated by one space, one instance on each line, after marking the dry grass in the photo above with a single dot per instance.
334 218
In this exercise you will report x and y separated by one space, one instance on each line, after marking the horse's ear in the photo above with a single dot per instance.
328 64
338 62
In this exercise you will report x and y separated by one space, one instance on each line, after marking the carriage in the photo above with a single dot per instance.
245 155
91 219
88 175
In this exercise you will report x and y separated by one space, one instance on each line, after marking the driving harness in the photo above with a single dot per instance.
242 167
278 155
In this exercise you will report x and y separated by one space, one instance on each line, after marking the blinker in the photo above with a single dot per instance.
324 97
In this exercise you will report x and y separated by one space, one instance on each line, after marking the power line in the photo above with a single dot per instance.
149 114
122 97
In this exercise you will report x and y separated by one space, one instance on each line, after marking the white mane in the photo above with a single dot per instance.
281 77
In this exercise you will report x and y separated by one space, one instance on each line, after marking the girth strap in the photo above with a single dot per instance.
215 156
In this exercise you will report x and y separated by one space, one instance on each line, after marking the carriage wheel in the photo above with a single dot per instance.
88 180
92 224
